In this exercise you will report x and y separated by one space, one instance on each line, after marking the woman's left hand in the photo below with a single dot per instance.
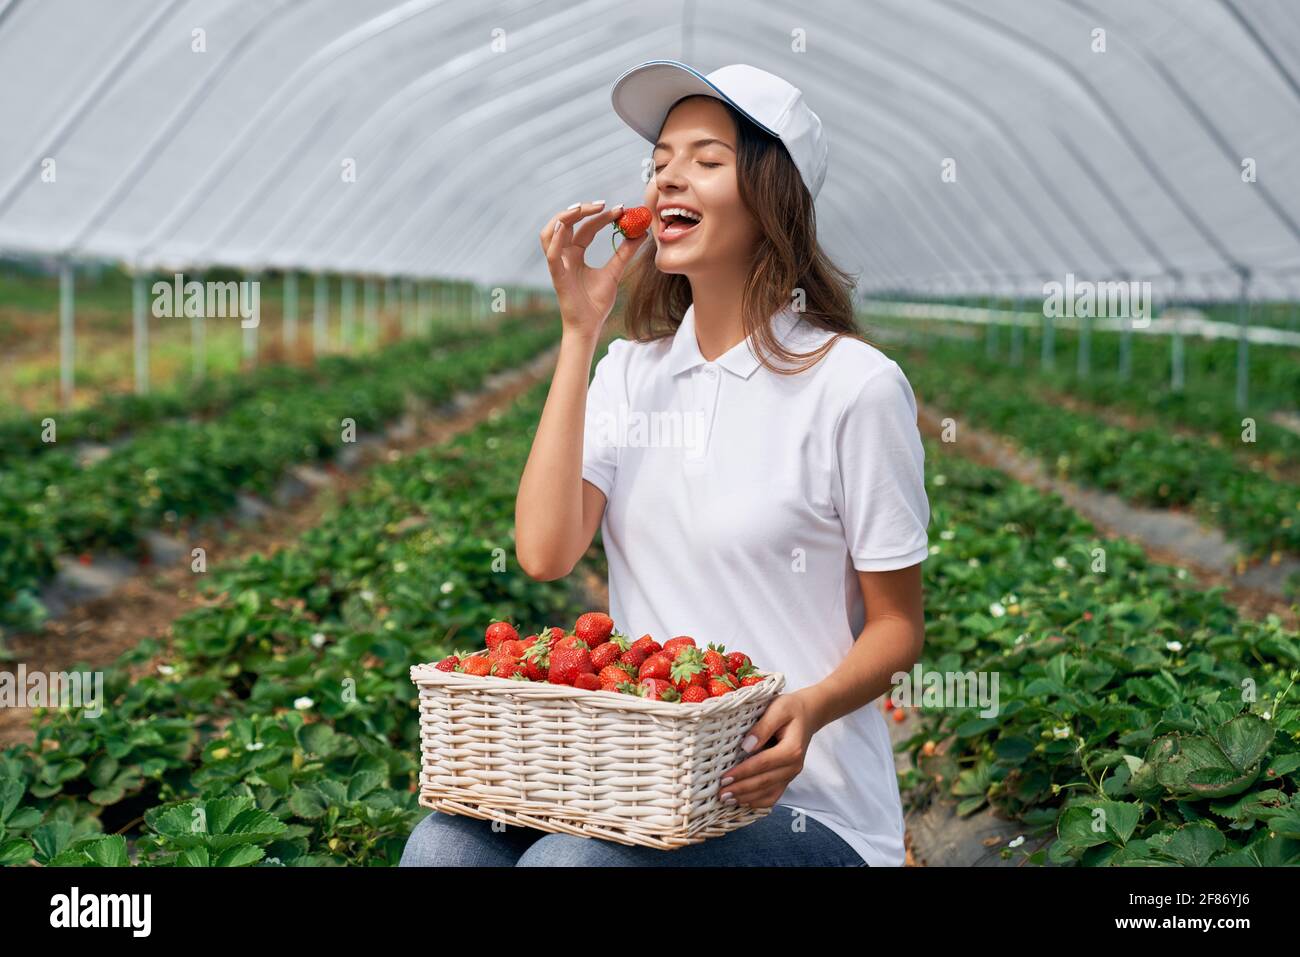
759 781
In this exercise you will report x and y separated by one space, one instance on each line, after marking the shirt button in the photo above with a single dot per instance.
711 372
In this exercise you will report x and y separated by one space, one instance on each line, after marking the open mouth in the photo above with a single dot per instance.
677 221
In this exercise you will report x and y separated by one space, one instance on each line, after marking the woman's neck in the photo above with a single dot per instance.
718 324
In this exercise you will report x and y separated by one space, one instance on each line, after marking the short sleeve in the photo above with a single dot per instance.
879 484
599 436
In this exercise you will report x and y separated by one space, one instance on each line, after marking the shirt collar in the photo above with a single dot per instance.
740 359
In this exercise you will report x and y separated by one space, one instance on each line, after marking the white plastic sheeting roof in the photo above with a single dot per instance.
471 122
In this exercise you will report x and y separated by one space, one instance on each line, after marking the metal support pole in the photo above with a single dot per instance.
320 315
140 328
347 311
369 317
67 332
1177 360
1085 347
1048 357
250 332
1017 336
290 292
198 343
1243 344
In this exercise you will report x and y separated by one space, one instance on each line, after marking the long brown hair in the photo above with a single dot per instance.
787 258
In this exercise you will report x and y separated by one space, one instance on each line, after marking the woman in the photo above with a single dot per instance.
788 518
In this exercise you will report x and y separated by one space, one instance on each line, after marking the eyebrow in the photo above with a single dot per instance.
707 141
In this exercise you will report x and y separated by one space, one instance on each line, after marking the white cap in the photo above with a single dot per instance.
644 94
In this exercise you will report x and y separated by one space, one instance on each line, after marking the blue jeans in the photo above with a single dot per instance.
784 838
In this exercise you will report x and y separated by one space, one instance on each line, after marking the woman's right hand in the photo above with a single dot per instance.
586 295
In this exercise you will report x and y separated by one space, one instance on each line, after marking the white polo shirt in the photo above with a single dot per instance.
739 504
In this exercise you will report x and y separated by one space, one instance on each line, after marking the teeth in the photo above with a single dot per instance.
678 211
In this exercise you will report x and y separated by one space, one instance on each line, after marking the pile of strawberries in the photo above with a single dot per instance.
595 657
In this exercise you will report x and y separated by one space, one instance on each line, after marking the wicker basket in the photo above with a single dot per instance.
587 763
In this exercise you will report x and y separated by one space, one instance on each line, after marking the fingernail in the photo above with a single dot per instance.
598 202
725 781
558 224
574 206
728 799
749 743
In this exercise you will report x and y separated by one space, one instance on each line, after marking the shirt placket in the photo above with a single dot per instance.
707 383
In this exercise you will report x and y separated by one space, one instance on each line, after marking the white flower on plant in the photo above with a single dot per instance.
996 610
934 549
973 562
1060 561
166 670
367 595
318 639
303 703
1267 715
447 587
255 746
400 567
1174 646
947 534
1017 841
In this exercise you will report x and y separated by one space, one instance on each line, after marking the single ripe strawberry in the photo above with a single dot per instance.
569 662
477 665
604 654
673 646
720 686
658 689
594 628
508 649
632 224
498 632
647 645
688 668
656 666
587 682
507 666
695 695
715 661
615 675
737 660
448 664
633 658
537 661
748 680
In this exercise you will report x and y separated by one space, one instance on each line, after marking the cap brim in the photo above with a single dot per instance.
643 95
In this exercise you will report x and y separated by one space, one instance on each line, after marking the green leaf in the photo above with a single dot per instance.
107 851
306 803
1245 740
1193 845
15 852
1076 828
241 856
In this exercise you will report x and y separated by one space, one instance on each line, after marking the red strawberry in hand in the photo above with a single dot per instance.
632 224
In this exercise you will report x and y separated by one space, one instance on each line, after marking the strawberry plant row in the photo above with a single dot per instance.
26 435
176 473
283 713
1138 720
1148 466
1206 404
